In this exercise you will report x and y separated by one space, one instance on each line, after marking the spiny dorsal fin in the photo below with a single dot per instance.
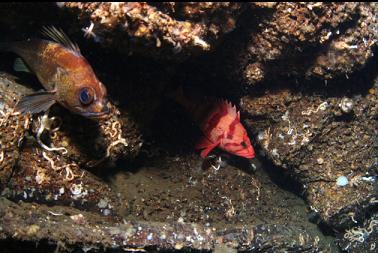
60 37
231 110
20 66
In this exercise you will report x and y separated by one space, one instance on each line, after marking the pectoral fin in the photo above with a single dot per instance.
20 66
206 145
36 102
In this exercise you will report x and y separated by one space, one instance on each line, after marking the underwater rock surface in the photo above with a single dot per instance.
318 140
170 30
91 231
321 40
304 76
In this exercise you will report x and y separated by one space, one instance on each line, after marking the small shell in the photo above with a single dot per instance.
342 181
346 105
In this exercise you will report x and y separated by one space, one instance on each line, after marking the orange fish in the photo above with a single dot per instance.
65 74
220 124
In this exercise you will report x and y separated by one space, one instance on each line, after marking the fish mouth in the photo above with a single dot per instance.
96 115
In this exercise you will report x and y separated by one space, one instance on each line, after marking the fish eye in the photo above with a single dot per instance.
86 96
244 145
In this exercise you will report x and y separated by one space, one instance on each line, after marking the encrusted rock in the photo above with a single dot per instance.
46 177
361 238
88 230
13 127
322 40
166 30
316 144
88 142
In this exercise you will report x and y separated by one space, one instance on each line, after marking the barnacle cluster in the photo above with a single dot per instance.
141 20
172 28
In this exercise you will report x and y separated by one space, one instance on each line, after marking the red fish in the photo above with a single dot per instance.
220 124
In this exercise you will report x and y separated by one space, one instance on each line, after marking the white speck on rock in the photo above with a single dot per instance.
342 181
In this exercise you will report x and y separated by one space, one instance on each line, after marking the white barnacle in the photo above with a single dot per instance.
76 189
219 163
149 236
285 117
275 153
261 135
346 105
323 106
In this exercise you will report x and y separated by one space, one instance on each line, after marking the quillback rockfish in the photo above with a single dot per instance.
64 73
